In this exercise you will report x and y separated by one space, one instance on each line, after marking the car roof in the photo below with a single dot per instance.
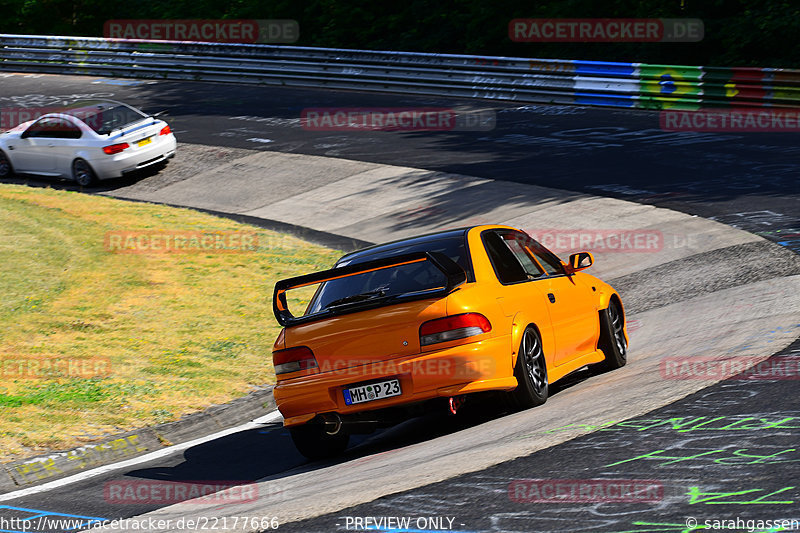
82 108
85 107
95 103
401 243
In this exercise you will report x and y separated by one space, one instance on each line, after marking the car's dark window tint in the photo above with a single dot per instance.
506 266
392 281
69 130
54 128
403 279
454 247
105 119
38 129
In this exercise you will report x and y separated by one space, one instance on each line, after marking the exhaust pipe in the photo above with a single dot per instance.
454 403
332 424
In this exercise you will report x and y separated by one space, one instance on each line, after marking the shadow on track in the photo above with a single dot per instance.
269 452
102 186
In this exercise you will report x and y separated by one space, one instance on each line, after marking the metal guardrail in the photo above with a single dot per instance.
633 85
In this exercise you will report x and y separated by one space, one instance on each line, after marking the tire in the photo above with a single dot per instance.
82 173
312 441
612 337
6 170
530 371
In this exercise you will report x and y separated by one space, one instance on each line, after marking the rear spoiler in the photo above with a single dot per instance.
454 274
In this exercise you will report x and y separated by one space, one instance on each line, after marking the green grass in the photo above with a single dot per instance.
175 332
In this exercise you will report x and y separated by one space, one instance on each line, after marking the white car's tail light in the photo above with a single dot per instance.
115 148
293 360
165 131
453 328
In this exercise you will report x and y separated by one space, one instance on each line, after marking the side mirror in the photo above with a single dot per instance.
25 134
580 261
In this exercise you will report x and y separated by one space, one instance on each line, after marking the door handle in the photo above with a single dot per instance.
552 297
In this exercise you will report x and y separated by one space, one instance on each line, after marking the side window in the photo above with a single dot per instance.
68 130
506 266
54 128
40 128
516 243
551 264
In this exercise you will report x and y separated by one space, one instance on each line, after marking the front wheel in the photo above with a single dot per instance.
612 337
530 371
313 442
82 173
6 170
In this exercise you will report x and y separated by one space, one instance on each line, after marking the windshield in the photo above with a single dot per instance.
393 281
105 118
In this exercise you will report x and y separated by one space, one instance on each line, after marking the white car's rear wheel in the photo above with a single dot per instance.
6 170
82 173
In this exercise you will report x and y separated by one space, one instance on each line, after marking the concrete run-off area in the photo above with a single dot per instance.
693 288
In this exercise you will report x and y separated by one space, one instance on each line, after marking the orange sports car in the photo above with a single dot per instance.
394 329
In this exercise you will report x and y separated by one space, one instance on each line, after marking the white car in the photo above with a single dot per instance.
86 141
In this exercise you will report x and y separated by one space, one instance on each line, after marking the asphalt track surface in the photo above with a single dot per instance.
747 180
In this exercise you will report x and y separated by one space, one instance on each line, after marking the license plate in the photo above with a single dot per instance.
371 392
144 141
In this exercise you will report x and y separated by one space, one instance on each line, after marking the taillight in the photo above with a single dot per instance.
293 360
115 148
453 328
165 131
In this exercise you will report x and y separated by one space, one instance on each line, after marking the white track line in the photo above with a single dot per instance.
273 416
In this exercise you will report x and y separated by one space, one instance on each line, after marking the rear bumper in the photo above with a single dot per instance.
474 367
133 159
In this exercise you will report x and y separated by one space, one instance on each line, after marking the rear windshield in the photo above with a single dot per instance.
404 279
105 119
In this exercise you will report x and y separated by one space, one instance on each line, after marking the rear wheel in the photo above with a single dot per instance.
82 173
6 170
313 442
530 371
612 337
